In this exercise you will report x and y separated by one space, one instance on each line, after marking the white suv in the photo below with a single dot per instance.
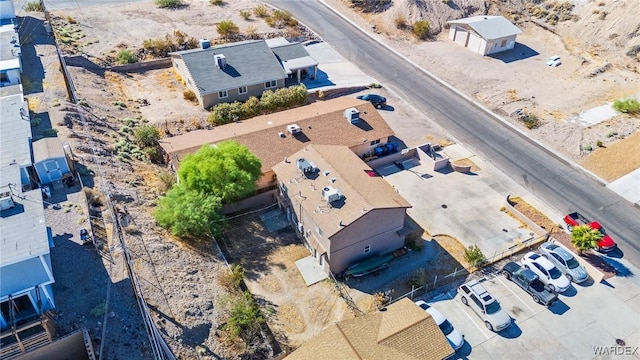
474 295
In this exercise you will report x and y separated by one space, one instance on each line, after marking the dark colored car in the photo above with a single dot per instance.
84 236
377 100
529 282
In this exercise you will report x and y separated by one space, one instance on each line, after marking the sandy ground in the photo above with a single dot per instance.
182 292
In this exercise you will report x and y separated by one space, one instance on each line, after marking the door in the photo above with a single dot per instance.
52 169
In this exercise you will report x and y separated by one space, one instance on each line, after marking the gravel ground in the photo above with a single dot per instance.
91 292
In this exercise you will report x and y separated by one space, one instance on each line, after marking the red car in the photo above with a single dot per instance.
576 219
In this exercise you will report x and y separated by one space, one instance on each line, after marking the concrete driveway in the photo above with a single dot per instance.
465 206
583 324
334 71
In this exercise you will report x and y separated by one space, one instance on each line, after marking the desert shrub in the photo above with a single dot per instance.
603 15
35 121
418 278
94 197
231 280
371 5
413 241
245 14
167 179
627 105
99 310
400 21
216 2
611 134
33 6
161 47
71 20
251 107
633 51
169 4
261 11
270 101
146 136
50 132
599 143
189 95
227 28
245 317
126 56
530 121
280 19
421 29
474 255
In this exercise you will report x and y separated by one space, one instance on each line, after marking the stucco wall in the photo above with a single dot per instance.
495 46
366 148
377 229
256 90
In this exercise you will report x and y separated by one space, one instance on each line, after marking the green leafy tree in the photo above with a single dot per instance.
189 213
227 28
585 238
227 170
474 255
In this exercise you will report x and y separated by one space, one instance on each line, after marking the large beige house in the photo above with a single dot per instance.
275 137
341 209
402 332
484 34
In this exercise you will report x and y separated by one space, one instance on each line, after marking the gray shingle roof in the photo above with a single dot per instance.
248 63
290 51
489 27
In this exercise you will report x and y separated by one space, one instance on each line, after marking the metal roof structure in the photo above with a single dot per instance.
489 27
15 127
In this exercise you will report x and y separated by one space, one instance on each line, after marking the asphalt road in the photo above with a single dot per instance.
559 183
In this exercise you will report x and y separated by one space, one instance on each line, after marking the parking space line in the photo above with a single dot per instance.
470 318
516 295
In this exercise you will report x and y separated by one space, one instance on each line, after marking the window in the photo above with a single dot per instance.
284 188
504 43
478 303
375 142
242 90
222 94
3 77
367 249
541 269
318 230
270 84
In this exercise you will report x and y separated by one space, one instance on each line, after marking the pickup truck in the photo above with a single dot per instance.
529 282
605 244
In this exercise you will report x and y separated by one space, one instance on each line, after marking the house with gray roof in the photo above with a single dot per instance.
230 72
26 275
484 34
339 207
237 71
10 54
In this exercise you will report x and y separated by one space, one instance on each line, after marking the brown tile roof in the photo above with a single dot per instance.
402 332
322 123
362 192
47 148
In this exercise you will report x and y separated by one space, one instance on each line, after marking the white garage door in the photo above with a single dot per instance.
53 172
461 36
475 44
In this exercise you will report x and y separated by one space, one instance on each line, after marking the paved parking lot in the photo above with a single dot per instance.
586 316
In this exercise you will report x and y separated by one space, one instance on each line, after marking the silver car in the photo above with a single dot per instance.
564 261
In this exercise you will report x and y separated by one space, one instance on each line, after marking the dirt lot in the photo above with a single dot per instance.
182 292
296 312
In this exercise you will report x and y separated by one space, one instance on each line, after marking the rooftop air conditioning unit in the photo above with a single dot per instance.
306 166
294 128
205 44
221 61
6 201
330 194
352 115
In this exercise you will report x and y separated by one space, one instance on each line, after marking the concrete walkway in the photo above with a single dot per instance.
628 186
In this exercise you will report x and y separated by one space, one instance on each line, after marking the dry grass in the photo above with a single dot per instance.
452 246
616 159
290 318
